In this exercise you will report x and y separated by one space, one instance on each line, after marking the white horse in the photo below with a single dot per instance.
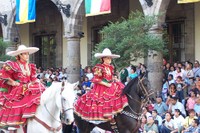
59 97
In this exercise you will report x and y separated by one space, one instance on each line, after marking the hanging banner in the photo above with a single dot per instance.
25 11
187 1
97 7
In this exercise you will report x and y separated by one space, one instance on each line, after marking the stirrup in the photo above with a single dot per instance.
114 126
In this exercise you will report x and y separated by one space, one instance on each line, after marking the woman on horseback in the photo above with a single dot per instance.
105 99
20 90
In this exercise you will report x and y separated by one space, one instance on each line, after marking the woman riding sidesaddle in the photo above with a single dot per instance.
104 100
20 90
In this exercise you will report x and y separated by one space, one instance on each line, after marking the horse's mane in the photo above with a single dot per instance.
131 85
50 92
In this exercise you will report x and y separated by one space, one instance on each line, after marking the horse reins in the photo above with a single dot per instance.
135 115
47 126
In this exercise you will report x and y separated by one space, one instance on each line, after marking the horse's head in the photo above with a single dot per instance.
139 86
67 100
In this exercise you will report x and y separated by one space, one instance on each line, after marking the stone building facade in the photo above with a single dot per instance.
66 37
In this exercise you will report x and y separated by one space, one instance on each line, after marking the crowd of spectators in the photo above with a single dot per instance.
51 74
175 110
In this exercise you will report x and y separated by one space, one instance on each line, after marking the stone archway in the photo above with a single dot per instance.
73 31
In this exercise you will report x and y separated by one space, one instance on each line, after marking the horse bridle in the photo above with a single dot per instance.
143 103
47 126
143 89
64 110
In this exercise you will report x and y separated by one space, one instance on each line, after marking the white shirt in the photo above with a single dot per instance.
178 121
159 119
148 114
179 106
171 81
89 75
170 124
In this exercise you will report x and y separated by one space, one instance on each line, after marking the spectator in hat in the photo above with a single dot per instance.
175 104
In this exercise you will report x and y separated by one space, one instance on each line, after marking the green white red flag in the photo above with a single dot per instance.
97 7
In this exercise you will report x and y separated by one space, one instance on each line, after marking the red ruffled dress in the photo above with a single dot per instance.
101 102
18 102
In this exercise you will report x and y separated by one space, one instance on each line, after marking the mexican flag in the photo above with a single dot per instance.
97 7
187 1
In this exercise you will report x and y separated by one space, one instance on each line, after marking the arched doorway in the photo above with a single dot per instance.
46 33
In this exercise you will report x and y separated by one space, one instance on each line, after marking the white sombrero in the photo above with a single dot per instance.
22 49
106 53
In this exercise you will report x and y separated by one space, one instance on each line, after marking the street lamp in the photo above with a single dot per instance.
3 19
149 2
64 8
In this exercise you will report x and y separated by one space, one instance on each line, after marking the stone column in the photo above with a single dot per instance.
73 59
154 64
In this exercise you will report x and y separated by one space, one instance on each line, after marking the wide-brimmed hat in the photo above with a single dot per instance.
23 49
106 53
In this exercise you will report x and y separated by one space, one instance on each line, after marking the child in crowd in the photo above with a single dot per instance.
86 84
180 86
